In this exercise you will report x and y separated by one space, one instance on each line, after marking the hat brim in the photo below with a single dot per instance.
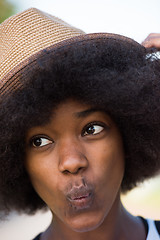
12 80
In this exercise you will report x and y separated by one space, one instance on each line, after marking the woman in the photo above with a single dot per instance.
79 119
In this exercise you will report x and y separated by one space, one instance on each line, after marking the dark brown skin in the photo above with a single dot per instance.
152 41
76 165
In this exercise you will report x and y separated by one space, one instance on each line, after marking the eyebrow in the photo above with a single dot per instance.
86 112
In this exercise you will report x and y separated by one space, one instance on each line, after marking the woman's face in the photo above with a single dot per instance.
76 164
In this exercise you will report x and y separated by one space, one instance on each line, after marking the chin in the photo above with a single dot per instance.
85 224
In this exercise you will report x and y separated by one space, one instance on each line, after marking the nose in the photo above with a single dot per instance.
72 158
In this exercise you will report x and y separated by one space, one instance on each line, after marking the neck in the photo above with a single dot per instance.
117 225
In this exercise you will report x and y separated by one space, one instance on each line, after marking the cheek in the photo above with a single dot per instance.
108 167
43 176
108 163
46 184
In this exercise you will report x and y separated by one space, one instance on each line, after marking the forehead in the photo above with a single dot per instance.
73 110
71 117
76 109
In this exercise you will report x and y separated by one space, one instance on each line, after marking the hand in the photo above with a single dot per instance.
152 41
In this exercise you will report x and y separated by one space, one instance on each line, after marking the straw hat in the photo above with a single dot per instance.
26 35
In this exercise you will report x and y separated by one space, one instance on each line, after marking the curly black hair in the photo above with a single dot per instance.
117 76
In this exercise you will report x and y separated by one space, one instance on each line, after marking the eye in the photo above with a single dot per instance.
40 141
92 129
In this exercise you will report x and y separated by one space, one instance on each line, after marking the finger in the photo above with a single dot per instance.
153 40
154 43
152 36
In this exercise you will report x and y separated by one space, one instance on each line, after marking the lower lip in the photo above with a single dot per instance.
83 202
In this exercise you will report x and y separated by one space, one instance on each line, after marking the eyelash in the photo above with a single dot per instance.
34 138
92 124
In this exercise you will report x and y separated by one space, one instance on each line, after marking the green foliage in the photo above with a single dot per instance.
6 10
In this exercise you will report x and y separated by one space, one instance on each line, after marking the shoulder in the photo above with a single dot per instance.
153 230
157 223
37 237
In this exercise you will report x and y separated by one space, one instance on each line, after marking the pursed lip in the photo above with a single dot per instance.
80 197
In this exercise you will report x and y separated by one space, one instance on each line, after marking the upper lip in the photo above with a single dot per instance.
77 193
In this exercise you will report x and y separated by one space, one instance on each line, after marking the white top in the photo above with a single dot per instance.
152 231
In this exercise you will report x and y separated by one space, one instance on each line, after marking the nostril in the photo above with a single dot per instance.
65 171
78 170
75 171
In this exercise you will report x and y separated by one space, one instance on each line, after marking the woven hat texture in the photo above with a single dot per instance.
26 33
24 36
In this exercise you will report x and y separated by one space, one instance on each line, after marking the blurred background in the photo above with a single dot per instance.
135 19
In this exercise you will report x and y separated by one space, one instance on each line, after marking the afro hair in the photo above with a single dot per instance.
120 78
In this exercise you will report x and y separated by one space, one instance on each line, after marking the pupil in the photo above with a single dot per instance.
91 130
37 142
